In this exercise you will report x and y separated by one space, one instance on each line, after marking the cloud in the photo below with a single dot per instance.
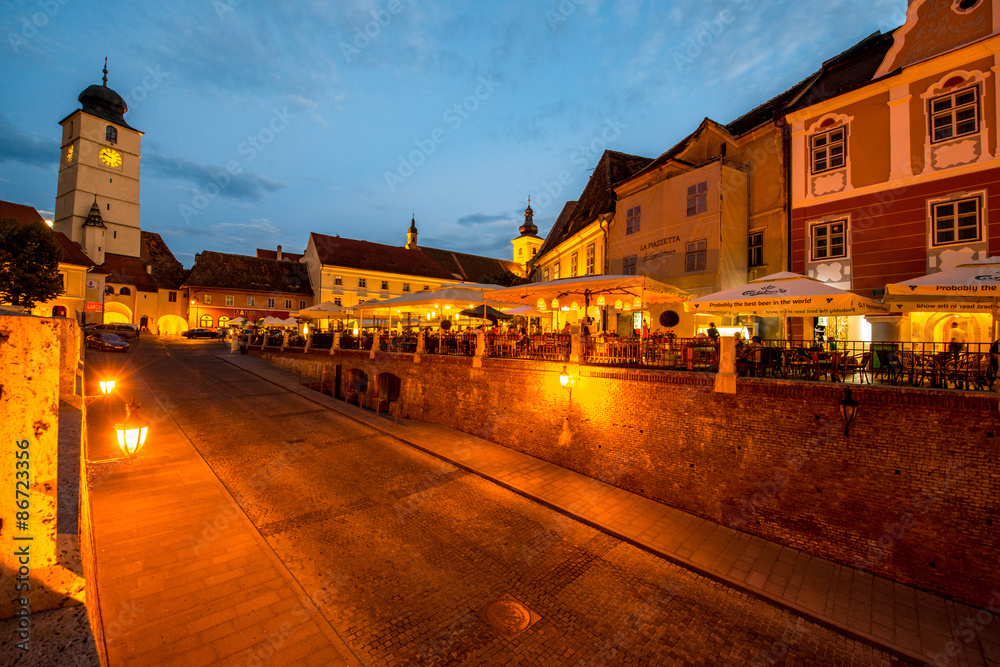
245 186
482 218
18 147
241 238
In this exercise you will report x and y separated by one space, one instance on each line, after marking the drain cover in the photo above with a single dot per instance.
508 616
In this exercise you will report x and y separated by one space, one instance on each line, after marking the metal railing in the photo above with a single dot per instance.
916 364
694 354
321 341
404 343
458 344
541 347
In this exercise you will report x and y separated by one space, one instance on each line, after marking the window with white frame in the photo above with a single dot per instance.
829 240
338 281
270 303
573 265
632 220
251 301
957 221
302 304
696 255
230 300
954 115
590 259
545 275
628 266
828 150
697 198
172 297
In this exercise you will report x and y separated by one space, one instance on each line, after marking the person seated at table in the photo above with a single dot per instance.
739 342
566 328
756 342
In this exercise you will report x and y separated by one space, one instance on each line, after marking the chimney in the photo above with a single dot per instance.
279 252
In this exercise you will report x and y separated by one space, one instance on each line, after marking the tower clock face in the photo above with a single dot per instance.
69 154
110 157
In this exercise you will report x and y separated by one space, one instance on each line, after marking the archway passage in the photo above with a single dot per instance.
59 311
171 325
116 313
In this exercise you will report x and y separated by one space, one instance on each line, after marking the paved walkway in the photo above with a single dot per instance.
913 624
184 577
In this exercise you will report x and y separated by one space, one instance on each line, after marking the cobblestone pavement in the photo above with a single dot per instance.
402 551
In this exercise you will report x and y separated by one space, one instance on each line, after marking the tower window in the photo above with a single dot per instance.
111 134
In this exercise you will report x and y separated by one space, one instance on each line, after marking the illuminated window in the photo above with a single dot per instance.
957 221
406 287
111 134
125 291
828 149
270 303
223 321
250 301
573 262
545 274
338 280
207 299
628 266
696 255
590 259
172 297
829 240
385 284
534 251
632 220
955 115
755 249
362 282
697 198
555 271
288 304
230 300
205 321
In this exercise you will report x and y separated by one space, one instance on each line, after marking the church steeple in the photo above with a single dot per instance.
411 234
528 228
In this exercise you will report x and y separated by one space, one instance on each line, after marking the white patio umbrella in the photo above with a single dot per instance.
271 321
238 321
459 297
590 288
783 294
325 310
969 287
526 311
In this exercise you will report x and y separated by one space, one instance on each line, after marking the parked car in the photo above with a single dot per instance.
107 342
199 333
120 329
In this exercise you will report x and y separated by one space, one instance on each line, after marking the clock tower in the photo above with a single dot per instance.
97 199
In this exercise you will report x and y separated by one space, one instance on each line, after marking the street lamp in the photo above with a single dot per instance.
107 386
848 410
132 432
565 379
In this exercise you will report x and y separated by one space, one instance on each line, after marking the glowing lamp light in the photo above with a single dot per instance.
355 331
541 304
637 302
618 304
848 410
132 432
600 300
305 328
107 386
575 306
565 379
627 306
555 303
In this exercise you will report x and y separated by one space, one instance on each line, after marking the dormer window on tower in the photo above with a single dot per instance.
111 134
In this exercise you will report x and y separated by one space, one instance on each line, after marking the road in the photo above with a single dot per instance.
402 551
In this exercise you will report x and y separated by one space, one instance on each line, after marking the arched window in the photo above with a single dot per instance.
125 291
59 311
223 322
111 135
205 321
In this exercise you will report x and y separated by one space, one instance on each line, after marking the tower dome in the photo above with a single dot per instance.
528 228
103 102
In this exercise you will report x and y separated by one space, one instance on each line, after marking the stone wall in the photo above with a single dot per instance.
911 494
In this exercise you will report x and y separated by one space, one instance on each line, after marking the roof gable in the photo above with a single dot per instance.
934 27
222 270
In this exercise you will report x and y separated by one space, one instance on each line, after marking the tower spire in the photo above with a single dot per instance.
411 233
105 71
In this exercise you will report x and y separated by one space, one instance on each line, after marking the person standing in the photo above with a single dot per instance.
956 340
713 333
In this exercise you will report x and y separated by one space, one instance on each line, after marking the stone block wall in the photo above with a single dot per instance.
911 494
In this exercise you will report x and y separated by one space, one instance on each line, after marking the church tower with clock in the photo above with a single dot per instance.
97 200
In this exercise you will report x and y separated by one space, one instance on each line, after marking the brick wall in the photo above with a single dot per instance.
912 494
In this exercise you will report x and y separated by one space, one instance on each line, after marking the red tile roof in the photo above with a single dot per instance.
273 254
127 270
23 214
219 269
71 253
368 256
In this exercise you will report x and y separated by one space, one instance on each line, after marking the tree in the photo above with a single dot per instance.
29 264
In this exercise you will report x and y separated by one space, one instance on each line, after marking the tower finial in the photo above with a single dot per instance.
105 71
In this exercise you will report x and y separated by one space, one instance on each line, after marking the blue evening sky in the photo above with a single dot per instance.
346 117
